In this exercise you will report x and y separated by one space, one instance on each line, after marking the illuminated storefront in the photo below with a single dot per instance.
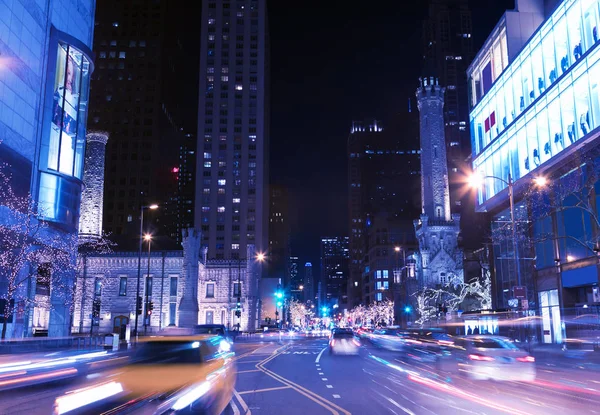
536 112
544 101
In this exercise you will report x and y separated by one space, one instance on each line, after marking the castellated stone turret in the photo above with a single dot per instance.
434 166
90 219
440 260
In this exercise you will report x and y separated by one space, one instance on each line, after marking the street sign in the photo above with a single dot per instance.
520 291
524 304
513 302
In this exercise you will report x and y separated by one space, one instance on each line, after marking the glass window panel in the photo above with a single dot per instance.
504 49
549 58
567 106
594 79
543 132
504 163
509 101
497 60
574 29
518 91
537 67
526 77
555 127
533 144
582 104
561 44
67 153
524 164
173 287
47 198
590 22
500 116
514 157
497 172
54 142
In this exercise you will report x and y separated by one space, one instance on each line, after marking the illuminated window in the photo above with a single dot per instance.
207 164
207 155
235 246
238 87
222 182
236 200
221 209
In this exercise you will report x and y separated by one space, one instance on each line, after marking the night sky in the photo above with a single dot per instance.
330 65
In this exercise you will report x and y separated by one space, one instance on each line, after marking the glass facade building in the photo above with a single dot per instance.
530 111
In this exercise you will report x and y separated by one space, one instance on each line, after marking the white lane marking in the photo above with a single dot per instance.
331 387
242 403
337 396
234 408
319 356
408 411
323 379
321 373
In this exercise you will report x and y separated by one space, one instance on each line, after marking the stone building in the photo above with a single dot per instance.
181 293
439 259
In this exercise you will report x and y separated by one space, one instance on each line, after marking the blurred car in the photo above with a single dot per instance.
343 341
179 374
488 357
364 332
389 338
218 329
427 344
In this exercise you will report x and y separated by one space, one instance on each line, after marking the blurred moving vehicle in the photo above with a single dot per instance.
217 329
389 338
364 332
343 341
168 375
488 357
427 344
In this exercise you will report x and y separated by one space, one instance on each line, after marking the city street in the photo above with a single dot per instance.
301 376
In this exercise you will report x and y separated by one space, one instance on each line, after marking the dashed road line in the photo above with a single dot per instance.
336 396
329 386
323 379
248 371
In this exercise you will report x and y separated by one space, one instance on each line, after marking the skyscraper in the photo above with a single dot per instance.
383 187
447 52
334 272
139 96
309 283
233 128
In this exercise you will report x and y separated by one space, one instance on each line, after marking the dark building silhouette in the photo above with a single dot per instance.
384 193
279 235
334 273
447 52
140 96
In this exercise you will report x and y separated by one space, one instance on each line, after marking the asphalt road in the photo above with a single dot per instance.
301 377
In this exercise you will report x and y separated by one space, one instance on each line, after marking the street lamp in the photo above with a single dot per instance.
137 293
476 181
147 238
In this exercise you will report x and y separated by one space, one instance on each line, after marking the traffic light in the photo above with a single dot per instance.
279 304
238 313
150 307
279 295
139 305
407 309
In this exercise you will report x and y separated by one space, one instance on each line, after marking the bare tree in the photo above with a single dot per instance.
29 249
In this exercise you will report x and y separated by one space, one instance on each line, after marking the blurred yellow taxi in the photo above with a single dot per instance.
166 375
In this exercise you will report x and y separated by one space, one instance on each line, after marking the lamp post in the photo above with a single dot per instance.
476 181
147 238
137 292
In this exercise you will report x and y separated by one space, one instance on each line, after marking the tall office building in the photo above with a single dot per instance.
309 283
335 255
383 187
279 235
447 52
233 128
139 95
